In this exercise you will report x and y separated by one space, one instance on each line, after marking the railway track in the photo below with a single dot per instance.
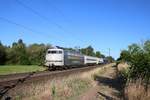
8 82
24 78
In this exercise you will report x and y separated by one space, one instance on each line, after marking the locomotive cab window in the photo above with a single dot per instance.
51 52
60 52
54 52
48 52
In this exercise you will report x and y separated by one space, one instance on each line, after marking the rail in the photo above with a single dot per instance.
33 75
7 88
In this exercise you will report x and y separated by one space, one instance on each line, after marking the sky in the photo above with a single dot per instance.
103 24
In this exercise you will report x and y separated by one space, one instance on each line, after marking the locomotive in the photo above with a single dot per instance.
60 58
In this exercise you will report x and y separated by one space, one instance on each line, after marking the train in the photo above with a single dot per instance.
58 58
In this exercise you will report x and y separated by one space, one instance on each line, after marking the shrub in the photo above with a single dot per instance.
138 57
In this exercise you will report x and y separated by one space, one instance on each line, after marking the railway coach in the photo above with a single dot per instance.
60 58
89 60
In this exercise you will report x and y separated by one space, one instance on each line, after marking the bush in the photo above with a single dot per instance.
138 57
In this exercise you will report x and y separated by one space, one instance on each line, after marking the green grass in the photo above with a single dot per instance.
11 69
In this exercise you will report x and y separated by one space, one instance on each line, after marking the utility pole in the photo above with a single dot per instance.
109 51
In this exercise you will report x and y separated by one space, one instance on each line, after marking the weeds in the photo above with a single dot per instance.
65 88
135 90
53 90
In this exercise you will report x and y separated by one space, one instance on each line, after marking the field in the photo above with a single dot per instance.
12 69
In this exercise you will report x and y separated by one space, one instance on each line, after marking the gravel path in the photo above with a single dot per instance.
109 87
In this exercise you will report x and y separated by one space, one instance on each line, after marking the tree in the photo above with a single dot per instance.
36 53
88 51
17 54
102 56
10 57
110 59
124 56
98 54
83 51
147 46
2 54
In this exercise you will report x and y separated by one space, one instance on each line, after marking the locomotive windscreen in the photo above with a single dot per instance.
54 52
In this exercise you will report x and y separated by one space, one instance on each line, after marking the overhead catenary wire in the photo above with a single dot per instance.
23 26
27 28
20 25
45 18
60 12
40 15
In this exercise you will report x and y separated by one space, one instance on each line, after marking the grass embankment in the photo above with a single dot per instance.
12 69
66 88
134 89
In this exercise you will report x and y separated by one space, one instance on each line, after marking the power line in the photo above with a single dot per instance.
59 11
20 25
38 14
43 17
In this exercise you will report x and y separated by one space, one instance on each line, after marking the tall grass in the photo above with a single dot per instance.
57 89
65 88
135 90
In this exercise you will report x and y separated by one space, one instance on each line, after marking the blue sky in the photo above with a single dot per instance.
103 24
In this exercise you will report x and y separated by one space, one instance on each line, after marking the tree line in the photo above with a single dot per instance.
34 54
19 53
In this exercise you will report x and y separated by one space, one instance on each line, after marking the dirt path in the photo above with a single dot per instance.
109 87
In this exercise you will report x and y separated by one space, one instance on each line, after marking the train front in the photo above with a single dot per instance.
54 58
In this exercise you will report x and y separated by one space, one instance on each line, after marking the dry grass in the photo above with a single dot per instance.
136 91
58 89
122 66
